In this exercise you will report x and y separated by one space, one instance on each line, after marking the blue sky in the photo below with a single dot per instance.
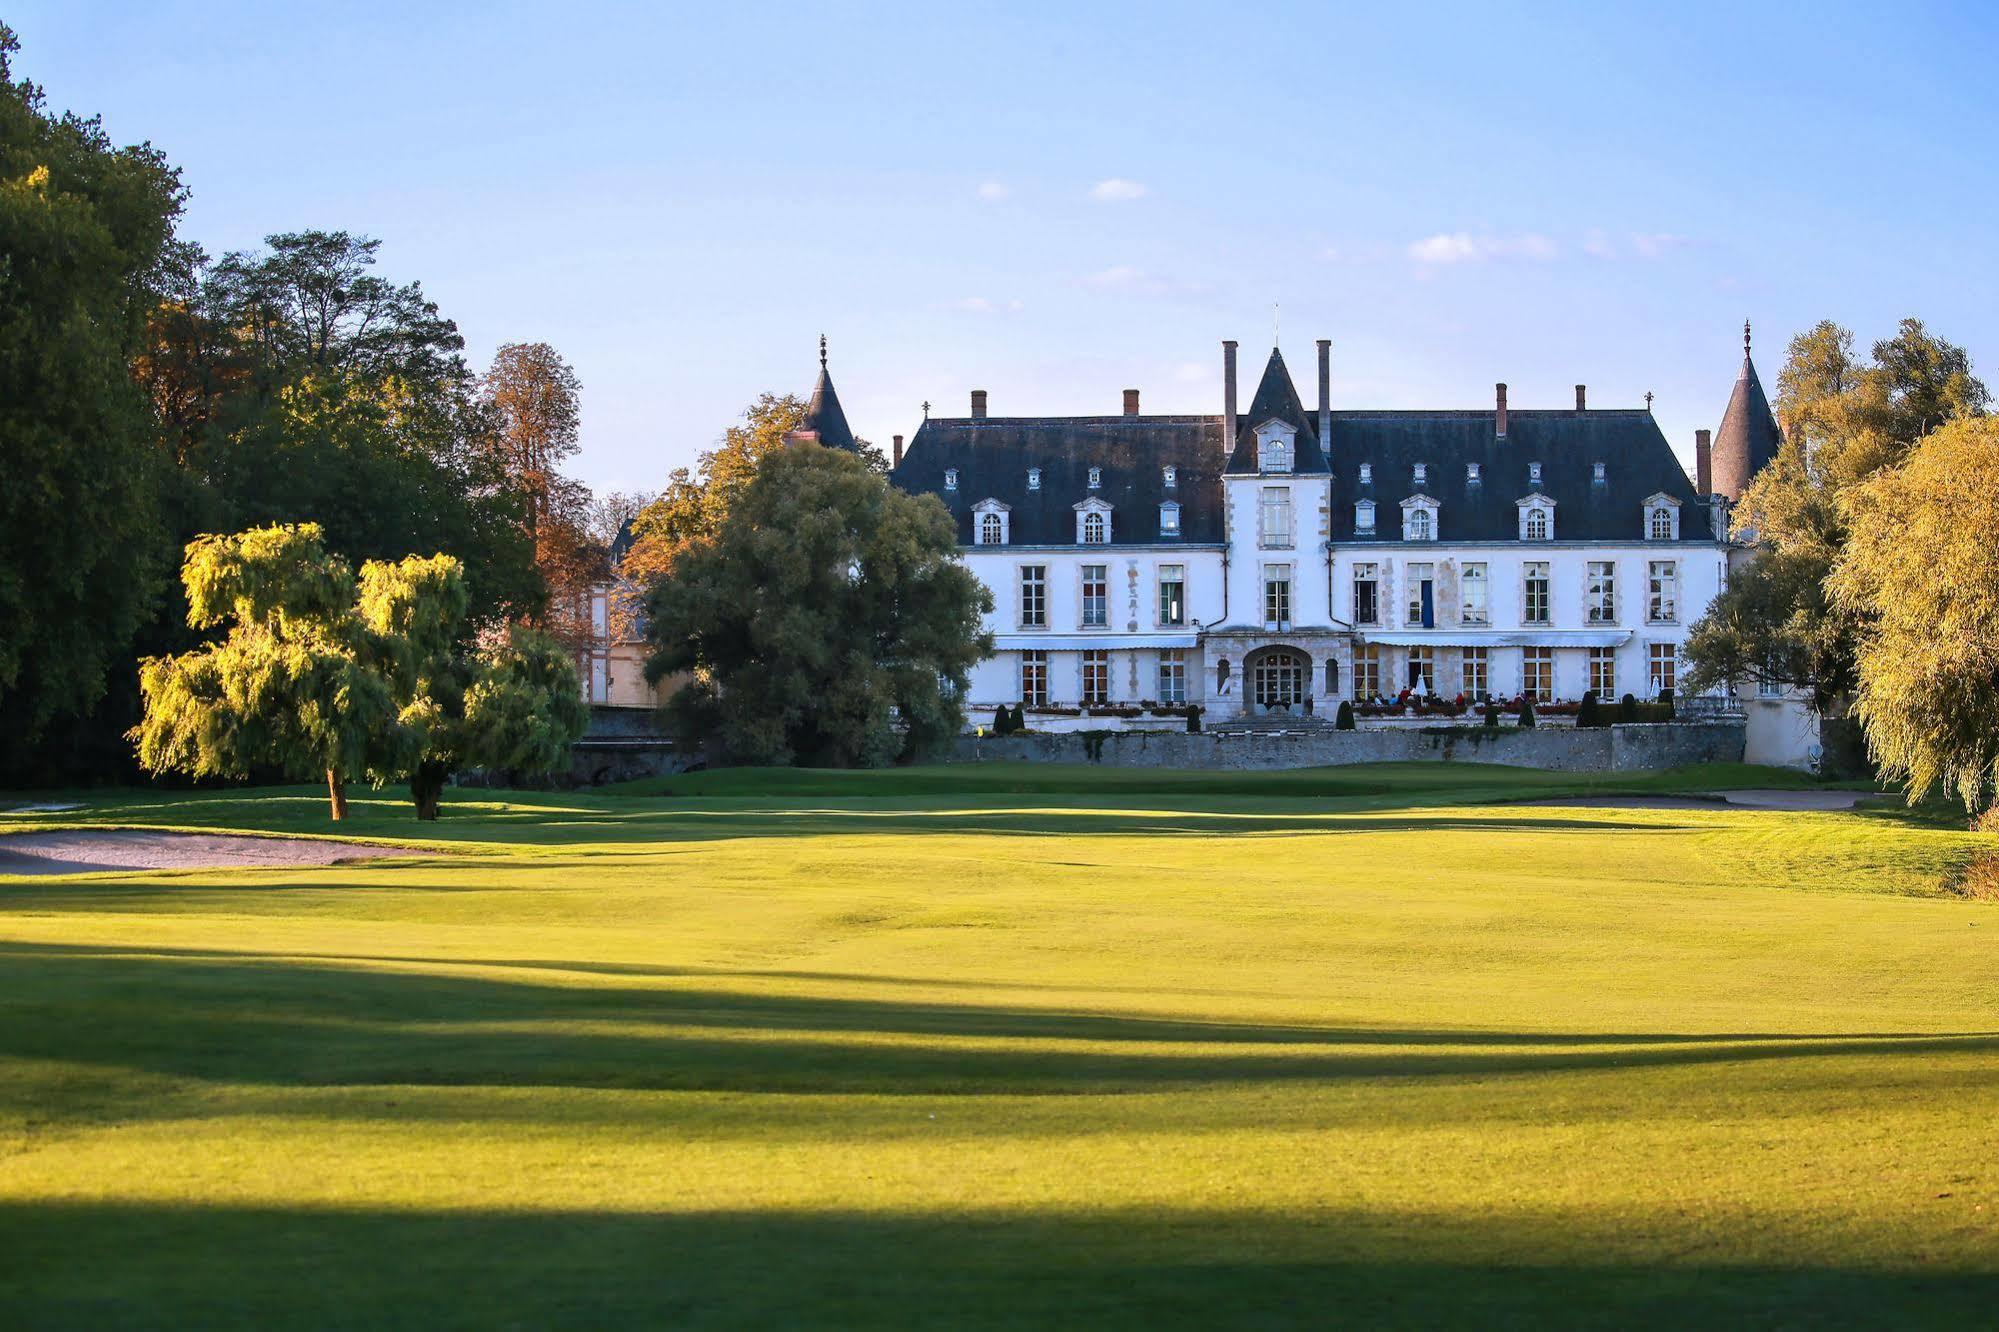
1057 202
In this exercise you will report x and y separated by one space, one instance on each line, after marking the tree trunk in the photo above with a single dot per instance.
336 792
427 787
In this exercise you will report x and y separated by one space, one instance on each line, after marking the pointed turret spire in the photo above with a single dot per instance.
1749 435
1277 399
824 423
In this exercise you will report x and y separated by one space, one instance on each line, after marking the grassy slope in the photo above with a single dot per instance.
1162 1055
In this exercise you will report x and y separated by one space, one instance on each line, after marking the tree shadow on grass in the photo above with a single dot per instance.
279 1021
129 1265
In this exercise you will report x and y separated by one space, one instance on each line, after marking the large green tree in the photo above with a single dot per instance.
1845 419
1917 574
827 621
83 228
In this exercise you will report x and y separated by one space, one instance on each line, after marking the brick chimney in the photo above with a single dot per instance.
895 454
978 404
1326 394
1228 397
1703 463
1499 424
1131 402
1581 394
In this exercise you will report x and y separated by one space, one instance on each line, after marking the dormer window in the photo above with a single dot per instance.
1662 518
1363 516
1169 519
1367 474
1096 478
1471 473
950 478
1537 518
1273 446
1596 472
1170 476
1034 478
1419 518
1093 523
1534 473
990 523
1537 524
1422 473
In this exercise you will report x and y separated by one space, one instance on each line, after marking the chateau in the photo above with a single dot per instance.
1280 559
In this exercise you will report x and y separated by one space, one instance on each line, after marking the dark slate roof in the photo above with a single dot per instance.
992 458
1276 396
1638 464
824 417
1749 436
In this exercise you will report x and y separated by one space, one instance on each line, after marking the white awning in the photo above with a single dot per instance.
1499 637
1090 642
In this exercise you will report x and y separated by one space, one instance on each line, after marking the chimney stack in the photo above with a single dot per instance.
1326 394
1703 463
1131 402
1580 391
1499 428
1228 397
895 455
978 404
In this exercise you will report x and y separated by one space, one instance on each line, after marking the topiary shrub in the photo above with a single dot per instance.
1666 704
1343 720
1002 721
1193 719
1627 708
1527 714
1586 715
1491 713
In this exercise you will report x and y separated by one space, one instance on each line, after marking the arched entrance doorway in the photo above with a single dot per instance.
1279 680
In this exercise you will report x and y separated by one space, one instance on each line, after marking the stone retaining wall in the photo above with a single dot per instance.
1599 749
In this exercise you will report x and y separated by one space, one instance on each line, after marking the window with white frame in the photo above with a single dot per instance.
1660 526
1170 477
950 478
1363 516
1096 478
1534 473
1367 672
991 520
1422 608
1034 478
1366 594
1662 667
1273 449
1603 672
1172 594
1537 518
1419 518
1476 674
1273 518
1169 519
1662 518
1600 592
1472 473
1093 523
1534 592
1473 602
1096 677
1277 596
1034 596
1096 598
1537 673
1662 598
1172 675
1034 678
1423 669
1422 473
1596 472
1367 474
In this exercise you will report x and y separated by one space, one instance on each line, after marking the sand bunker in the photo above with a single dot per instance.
1793 800
92 852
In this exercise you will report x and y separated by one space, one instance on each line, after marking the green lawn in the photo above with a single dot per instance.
1011 1047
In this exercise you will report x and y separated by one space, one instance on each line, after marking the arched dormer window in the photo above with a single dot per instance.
1537 517
1169 519
1662 518
1537 524
1093 523
1273 446
1419 518
1420 526
990 523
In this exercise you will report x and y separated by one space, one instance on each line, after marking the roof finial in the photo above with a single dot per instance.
1276 325
1745 337
926 409
822 351
1648 400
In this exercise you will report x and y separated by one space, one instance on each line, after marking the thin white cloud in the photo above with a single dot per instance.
1597 246
1462 247
1117 190
1653 245
985 305
993 191
1122 276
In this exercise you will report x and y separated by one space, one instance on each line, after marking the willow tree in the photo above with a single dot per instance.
1917 573
321 672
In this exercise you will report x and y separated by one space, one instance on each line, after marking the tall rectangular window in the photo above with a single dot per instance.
1534 588
1422 597
1034 679
1172 594
1600 593
1173 675
1096 596
1276 596
1033 596
1477 675
1274 517
1366 594
1603 672
1472 599
1423 669
1662 660
1367 672
1537 673
1662 601
1096 678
